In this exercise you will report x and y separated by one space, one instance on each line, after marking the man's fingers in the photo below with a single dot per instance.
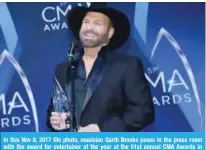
55 113
55 118
58 116
64 116
54 122
56 127
58 124
58 120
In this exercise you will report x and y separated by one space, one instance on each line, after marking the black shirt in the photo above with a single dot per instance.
82 83
80 89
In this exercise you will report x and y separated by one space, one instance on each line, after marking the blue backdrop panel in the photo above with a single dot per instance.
168 37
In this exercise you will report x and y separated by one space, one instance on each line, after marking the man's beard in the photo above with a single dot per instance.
99 40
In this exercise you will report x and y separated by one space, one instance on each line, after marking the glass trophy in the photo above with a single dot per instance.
61 103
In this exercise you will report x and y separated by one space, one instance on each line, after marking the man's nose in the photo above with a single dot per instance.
89 26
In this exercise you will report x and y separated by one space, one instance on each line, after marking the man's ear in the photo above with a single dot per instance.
111 32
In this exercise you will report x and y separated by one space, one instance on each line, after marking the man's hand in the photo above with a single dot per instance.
57 120
89 128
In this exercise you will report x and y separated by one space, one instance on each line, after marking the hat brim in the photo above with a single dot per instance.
119 20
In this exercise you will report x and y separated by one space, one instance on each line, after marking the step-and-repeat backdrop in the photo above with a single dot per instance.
168 37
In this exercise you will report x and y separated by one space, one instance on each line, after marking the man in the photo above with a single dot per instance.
111 91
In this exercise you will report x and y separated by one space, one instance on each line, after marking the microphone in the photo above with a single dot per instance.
71 53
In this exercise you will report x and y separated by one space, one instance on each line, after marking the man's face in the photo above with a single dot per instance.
96 30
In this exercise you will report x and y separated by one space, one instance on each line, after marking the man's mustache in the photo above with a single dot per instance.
90 32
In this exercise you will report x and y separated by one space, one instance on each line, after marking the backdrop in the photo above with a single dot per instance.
167 37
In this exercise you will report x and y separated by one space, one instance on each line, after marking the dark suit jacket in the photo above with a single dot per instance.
121 100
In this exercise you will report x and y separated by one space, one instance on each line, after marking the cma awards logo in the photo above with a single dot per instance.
9 107
55 16
176 80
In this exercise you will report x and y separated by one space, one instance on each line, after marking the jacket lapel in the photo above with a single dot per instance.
101 69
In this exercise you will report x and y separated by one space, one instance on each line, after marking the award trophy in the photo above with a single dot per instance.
61 103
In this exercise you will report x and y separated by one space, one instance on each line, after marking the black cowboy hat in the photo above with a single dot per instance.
119 20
